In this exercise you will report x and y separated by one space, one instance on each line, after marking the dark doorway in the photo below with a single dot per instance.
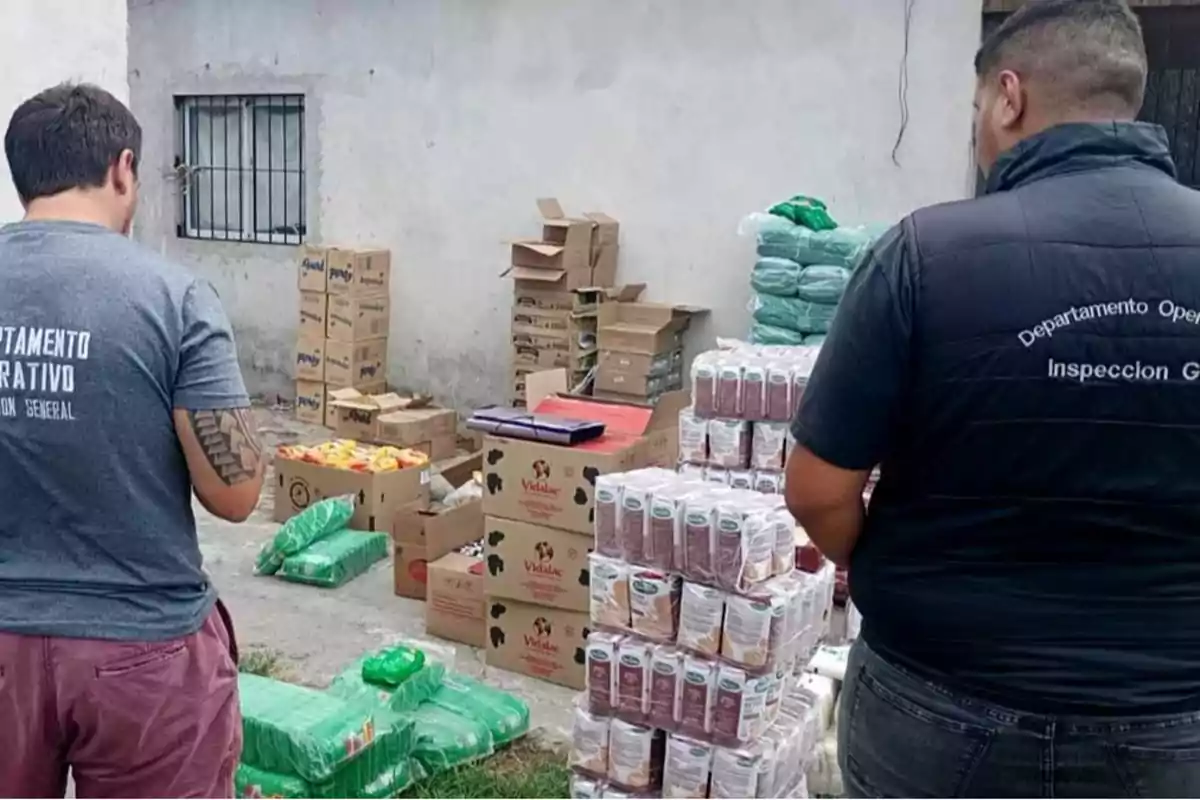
1173 85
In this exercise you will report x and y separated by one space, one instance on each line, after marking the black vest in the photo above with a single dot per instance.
1035 536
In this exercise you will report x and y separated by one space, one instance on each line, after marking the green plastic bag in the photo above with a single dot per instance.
777 276
445 739
822 284
392 666
418 688
294 730
335 559
807 211
771 334
505 716
793 313
310 525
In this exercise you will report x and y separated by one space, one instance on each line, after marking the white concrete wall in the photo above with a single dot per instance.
45 42
433 125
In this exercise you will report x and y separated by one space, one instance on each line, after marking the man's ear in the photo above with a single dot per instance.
1012 99
123 173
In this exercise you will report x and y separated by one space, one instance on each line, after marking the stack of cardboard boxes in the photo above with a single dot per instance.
345 309
558 283
641 349
538 506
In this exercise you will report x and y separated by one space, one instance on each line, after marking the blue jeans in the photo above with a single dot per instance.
902 736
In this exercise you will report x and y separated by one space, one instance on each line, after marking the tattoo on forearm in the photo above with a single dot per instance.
229 441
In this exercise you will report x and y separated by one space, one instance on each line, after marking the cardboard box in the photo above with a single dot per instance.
310 402
647 328
573 253
455 607
650 364
545 643
422 535
310 359
359 273
299 484
437 427
633 384
314 308
537 564
548 484
331 413
355 363
312 268
357 414
353 319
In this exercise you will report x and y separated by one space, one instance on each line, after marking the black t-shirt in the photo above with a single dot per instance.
1026 369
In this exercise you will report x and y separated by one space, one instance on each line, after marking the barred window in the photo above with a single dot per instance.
240 168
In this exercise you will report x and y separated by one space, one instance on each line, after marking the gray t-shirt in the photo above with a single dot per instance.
99 340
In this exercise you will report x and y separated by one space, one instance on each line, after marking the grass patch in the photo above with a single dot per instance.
523 770
263 661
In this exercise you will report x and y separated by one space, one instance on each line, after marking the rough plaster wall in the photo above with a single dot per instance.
44 42
433 124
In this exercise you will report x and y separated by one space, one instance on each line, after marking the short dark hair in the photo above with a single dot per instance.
1090 52
67 137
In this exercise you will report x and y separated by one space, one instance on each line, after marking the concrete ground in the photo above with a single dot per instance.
317 632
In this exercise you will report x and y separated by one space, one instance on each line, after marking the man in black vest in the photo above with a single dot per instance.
1026 368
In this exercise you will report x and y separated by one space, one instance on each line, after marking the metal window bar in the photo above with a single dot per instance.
253 192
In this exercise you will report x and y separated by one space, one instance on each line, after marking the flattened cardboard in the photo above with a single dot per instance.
359 273
314 310
455 608
407 427
310 359
547 484
537 564
545 643
312 271
299 484
310 402
355 363
353 319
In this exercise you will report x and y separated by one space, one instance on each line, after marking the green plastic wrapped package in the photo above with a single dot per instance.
777 276
310 525
843 247
254 782
294 730
391 780
822 284
771 334
335 559
815 339
793 313
807 211
505 716
418 688
446 739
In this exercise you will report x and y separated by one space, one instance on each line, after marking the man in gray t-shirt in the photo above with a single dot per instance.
120 396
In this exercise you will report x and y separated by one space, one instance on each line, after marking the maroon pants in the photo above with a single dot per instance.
130 719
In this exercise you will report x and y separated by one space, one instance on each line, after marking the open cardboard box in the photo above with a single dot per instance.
357 415
573 253
422 535
378 495
547 484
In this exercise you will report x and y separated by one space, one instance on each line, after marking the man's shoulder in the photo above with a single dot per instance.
959 225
